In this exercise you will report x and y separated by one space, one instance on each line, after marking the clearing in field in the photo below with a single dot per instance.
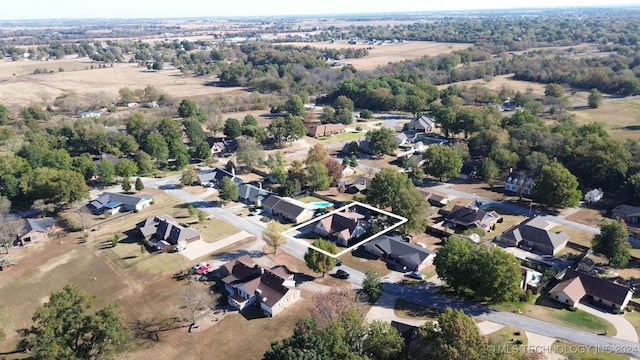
388 52
621 118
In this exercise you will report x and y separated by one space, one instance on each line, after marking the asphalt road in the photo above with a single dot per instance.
426 294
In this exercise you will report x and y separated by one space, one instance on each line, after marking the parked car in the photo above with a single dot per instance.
203 269
338 262
415 275
341 274
200 264
256 212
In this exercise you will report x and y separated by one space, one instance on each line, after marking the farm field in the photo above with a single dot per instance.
380 55
19 86
621 117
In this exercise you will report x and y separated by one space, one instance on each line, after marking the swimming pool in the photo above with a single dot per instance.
318 205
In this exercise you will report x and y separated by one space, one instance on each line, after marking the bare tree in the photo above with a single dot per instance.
330 305
193 298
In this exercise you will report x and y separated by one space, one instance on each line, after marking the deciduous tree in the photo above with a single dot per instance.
383 342
595 99
249 153
318 261
381 141
232 128
228 190
319 178
385 186
189 176
318 153
66 327
371 285
442 162
556 187
273 236
613 243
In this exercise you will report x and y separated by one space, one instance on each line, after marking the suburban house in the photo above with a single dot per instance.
359 185
113 203
164 231
35 230
630 214
399 254
216 175
575 286
403 138
435 199
422 123
222 146
109 157
341 227
364 147
467 172
317 131
251 194
273 290
586 264
535 234
519 183
468 217
593 195
290 209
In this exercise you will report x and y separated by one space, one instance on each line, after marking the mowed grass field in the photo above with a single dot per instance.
621 118
19 86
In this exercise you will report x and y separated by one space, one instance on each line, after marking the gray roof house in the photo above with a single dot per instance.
630 214
163 230
216 175
251 194
516 182
35 230
535 233
112 203
422 123
400 254
290 209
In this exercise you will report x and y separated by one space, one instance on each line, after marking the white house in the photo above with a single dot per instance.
593 195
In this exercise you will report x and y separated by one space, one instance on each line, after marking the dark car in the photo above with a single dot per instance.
338 262
341 274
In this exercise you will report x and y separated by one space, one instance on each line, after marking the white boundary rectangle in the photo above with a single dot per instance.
401 221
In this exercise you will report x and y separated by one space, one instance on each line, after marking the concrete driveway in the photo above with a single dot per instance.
201 248
624 329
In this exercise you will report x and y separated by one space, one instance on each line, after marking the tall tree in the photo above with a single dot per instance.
228 190
371 285
613 243
126 184
556 187
66 327
442 162
455 336
318 153
383 342
319 178
382 141
272 235
126 168
294 105
250 154
187 108
139 184
232 128
106 171
385 185
189 176
409 203
318 261
595 98
156 146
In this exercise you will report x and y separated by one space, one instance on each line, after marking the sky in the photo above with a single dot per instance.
78 9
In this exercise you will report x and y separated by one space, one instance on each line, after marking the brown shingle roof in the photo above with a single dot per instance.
572 288
600 288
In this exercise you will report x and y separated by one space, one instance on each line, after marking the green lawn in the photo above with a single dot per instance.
308 199
408 309
634 318
130 254
345 136
215 229
506 335
582 352
546 309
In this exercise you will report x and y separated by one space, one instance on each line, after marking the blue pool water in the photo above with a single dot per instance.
318 205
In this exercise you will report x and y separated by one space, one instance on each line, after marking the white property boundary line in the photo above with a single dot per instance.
401 221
